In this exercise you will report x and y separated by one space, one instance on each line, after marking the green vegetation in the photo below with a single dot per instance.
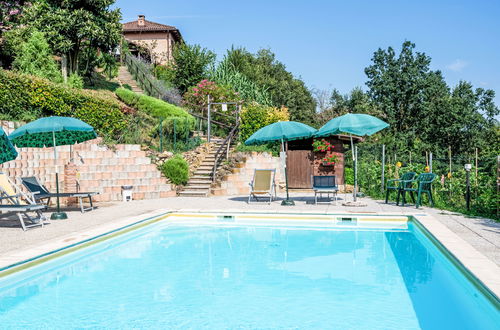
227 75
35 58
284 89
151 105
272 148
26 98
75 29
176 169
255 116
191 65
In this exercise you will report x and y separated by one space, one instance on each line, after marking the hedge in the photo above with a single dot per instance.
26 98
151 105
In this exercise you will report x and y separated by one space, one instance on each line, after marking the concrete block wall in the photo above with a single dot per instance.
237 183
99 168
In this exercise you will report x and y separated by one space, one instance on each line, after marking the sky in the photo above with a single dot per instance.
329 43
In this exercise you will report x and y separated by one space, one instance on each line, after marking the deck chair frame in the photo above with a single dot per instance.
42 194
264 193
327 189
15 196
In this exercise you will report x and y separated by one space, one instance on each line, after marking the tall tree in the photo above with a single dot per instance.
191 64
357 101
74 26
283 88
420 107
396 84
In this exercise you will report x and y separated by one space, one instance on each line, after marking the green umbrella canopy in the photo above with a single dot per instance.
281 131
352 123
40 133
7 151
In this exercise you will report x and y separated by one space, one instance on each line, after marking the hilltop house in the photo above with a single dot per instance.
156 39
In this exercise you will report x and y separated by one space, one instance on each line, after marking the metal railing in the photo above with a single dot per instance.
223 151
150 85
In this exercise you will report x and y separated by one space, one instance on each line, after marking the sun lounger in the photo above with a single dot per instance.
263 185
326 184
41 193
20 203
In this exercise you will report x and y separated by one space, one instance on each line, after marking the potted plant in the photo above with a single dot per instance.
322 146
329 160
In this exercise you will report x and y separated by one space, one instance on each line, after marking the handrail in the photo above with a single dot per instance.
211 120
144 78
225 145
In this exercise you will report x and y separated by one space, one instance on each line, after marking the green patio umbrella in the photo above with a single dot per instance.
53 132
353 124
282 131
7 150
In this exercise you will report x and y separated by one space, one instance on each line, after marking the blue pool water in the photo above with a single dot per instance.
216 277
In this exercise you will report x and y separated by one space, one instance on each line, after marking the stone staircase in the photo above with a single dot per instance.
199 183
125 78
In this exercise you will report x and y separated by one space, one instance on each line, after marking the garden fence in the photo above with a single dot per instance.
379 163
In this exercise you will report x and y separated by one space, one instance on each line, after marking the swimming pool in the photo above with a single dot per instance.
224 275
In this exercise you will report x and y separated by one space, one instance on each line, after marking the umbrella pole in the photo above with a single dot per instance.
354 160
287 201
57 215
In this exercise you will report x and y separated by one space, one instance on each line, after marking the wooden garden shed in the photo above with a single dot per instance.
303 161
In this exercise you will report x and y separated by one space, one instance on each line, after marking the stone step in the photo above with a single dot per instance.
197 186
203 172
193 193
199 182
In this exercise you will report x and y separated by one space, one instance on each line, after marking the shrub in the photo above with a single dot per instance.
196 96
26 98
255 116
75 81
176 169
127 96
35 58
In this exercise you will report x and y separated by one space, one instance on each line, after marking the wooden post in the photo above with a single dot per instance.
430 162
451 175
382 186
64 68
477 152
208 118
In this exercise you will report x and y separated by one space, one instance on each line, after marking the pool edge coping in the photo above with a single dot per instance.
477 267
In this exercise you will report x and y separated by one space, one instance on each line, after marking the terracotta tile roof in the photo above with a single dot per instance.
148 26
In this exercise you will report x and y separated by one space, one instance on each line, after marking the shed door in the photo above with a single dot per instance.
299 167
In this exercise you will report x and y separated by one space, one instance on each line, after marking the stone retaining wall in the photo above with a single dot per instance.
237 183
98 168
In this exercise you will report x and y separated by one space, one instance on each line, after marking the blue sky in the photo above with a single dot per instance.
329 43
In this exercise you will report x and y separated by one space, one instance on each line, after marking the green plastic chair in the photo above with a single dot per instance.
397 184
423 186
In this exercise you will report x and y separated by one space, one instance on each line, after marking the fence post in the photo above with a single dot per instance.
430 162
175 138
382 186
161 134
476 173
449 155
208 118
